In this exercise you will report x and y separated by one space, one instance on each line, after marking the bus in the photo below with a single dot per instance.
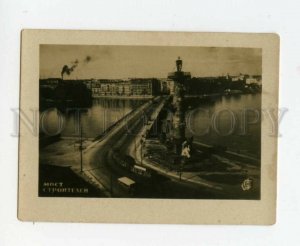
127 183
139 170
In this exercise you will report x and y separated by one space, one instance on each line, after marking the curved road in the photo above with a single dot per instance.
103 167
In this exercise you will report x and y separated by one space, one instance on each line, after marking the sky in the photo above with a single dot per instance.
120 62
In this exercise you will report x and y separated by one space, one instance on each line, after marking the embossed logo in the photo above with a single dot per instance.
247 184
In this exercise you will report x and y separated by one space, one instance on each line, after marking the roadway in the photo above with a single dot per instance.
98 157
99 163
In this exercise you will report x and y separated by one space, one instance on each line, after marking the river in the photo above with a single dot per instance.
94 120
219 122
230 121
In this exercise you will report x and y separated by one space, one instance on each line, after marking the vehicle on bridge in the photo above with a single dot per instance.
127 183
139 170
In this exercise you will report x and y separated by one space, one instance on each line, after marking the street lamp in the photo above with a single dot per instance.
81 148
142 142
135 145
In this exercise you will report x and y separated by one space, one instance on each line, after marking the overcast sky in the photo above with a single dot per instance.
142 61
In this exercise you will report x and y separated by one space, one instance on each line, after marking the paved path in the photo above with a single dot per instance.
100 166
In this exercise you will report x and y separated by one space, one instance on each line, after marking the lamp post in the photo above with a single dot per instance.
81 149
111 185
135 145
142 142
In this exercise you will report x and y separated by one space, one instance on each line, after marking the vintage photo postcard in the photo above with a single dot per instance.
148 127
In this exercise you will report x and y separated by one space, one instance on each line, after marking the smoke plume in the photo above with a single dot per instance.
69 69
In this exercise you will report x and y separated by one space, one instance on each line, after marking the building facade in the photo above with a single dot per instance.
130 87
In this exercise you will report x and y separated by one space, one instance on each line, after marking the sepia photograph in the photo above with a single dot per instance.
148 127
150 122
120 121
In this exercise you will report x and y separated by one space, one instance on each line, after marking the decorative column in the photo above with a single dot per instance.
179 77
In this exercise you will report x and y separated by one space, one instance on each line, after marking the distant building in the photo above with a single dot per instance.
105 87
50 82
130 87
145 86
240 77
251 81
